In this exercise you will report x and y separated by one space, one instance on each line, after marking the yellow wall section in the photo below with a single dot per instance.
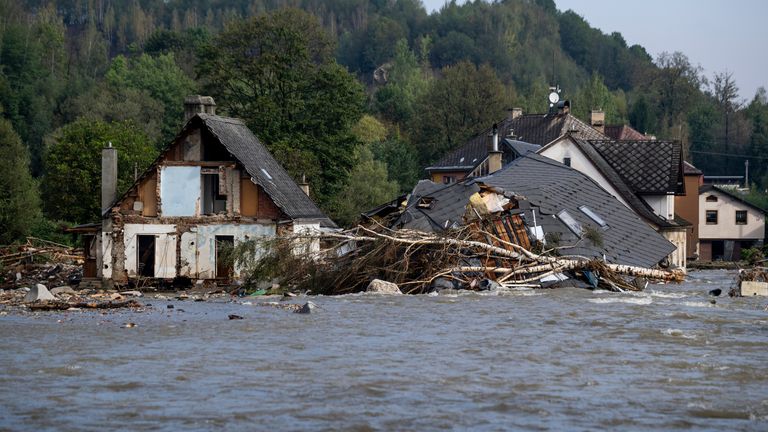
249 198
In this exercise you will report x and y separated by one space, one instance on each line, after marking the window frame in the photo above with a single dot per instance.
706 217
746 217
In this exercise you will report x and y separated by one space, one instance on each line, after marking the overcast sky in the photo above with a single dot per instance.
719 35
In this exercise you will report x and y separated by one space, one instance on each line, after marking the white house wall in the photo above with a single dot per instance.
726 227
165 248
198 246
662 205
565 148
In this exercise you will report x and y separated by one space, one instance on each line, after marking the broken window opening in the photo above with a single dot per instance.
570 222
213 200
145 259
425 202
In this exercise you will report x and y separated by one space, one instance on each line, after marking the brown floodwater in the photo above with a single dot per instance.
568 359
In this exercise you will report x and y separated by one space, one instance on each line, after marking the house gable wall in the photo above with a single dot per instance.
167 203
726 227
565 148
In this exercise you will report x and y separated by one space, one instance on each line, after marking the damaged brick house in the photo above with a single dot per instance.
213 186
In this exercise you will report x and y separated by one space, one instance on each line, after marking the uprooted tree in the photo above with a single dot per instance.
347 261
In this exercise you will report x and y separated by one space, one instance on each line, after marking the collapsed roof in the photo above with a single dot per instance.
557 198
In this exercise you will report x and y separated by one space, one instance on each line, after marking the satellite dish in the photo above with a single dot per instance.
554 97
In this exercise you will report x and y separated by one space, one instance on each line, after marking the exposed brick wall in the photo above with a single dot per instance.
267 208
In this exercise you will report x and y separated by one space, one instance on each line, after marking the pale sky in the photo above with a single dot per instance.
718 35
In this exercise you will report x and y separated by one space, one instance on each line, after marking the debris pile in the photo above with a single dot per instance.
471 257
752 282
40 298
40 261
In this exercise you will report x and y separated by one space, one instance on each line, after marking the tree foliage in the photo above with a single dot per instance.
71 187
278 73
465 101
19 198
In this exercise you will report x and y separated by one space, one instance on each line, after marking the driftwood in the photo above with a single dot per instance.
62 305
415 260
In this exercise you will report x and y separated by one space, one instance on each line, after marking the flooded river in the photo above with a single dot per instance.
664 359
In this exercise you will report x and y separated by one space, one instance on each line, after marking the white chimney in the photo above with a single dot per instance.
108 177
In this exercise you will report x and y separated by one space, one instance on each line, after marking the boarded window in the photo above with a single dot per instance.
741 217
179 190
711 217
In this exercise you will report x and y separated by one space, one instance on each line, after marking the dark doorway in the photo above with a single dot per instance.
224 264
91 251
146 255
718 250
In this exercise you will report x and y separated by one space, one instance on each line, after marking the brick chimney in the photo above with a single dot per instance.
494 155
515 113
196 104
108 176
597 120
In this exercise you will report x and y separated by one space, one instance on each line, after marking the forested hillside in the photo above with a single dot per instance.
357 95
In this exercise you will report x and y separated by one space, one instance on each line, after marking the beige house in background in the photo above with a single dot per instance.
727 224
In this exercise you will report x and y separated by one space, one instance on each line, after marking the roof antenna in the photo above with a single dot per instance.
553 67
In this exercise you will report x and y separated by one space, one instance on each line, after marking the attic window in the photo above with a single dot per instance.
594 216
266 174
425 202
567 161
570 222
711 198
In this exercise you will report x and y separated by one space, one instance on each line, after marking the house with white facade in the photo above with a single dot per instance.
213 186
727 224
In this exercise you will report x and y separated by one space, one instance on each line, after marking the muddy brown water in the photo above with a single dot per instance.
663 359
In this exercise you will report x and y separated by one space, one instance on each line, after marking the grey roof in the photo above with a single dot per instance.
547 187
625 190
648 167
530 130
262 167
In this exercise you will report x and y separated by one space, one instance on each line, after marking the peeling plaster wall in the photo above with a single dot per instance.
165 248
198 246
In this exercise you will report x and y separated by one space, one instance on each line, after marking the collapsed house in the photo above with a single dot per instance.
643 173
560 207
213 186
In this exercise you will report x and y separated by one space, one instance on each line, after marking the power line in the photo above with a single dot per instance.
729 155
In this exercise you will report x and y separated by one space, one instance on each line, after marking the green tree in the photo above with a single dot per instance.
406 82
277 72
71 187
19 198
367 187
596 96
464 102
161 78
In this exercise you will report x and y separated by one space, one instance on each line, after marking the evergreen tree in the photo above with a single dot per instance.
19 198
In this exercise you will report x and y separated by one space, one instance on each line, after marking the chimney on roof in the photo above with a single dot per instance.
304 185
563 107
514 113
494 156
597 120
196 104
108 176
